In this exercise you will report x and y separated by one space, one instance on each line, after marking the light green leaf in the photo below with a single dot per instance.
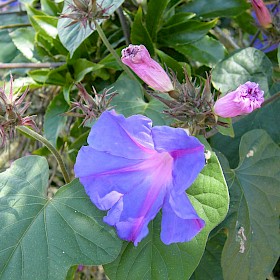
54 118
207 51
72 36
23 39
152 260
245 65
253 244
42 238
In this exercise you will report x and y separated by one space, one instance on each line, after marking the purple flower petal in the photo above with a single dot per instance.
120 136
186 150
180 223
132 170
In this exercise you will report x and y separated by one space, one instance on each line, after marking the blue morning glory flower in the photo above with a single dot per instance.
134 170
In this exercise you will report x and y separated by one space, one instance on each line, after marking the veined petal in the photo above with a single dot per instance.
187 152
120 136
106 177
180 222
135 209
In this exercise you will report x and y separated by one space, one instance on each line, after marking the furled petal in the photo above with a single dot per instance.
140 61
120 136
262 13
244 100
180 222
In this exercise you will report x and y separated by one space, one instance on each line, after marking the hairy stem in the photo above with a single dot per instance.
112 51
51 148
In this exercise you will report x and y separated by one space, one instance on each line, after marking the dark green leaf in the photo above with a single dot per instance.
184 33
253 244
209 267
154 16
152 260
42 238
207 51
171 63
278 55
245 65
8 48
54 118
139 34
179 18
130 101
215 8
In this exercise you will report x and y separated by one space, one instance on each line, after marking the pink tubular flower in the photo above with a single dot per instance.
244 100
140 61
262 13
133 170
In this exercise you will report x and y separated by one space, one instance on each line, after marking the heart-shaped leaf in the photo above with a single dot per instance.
42 238
253 244
245 65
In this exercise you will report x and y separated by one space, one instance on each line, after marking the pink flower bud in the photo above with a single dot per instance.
140 61
262 13
244 100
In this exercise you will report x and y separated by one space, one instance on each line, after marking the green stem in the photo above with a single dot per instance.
112 51
15 25
52 149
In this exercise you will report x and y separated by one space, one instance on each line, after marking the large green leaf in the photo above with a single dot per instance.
73 35
41 237
184 33
245 65
207 51
215 8
152 260
54 118
209 267
253 244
